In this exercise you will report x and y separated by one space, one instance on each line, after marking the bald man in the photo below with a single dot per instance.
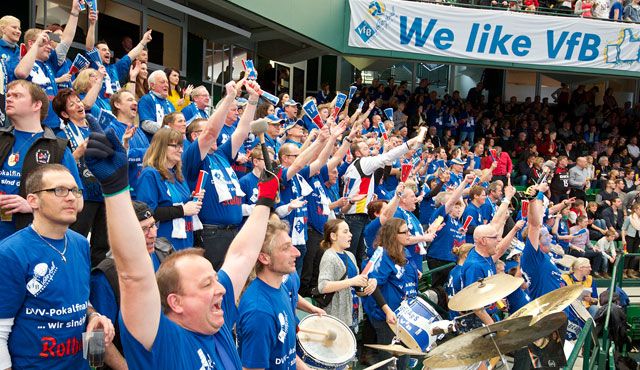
480 263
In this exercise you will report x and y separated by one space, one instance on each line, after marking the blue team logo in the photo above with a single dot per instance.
365 31
284 326
42 276
626 49
299 226
376 8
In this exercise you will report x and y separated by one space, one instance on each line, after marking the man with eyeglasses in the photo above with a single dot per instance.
199 103
44 303
23 147
105 288
42 62
489 246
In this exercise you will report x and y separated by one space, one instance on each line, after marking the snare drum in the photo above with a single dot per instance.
577 316
316 353
414 321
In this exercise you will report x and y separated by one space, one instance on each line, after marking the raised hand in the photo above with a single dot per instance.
107 160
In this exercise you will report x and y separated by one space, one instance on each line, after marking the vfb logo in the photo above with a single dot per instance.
365 31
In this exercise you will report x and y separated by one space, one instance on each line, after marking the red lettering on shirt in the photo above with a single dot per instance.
52 348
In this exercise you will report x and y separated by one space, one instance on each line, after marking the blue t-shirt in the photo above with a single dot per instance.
427 206
196 351
454 285
396 282
153 108
370 232
102 297
541 272
266 328
489 209
225 134
291 283
10 175
449 236
138 145
415 229
249 186
157 192
9 53
616 6
43 74
48 298
218 164
518 299
317 218
476 267
563 230
191 112
76 136
477 220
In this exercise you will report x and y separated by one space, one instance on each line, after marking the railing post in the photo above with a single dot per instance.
586 351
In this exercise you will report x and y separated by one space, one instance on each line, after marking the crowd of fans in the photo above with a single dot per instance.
398 176
614 10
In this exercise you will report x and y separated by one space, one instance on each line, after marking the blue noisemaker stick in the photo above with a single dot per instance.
250 70
94 55
203 177
389 113
361 104
274 100
340 100
79 63
311 110
352 91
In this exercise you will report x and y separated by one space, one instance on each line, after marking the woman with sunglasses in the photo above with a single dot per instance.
163 188
397 279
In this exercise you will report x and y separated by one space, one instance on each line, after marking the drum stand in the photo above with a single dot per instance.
502 359
382 363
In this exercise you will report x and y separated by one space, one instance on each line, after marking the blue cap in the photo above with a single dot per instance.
241 102
509 265
458 161
272 118
291 102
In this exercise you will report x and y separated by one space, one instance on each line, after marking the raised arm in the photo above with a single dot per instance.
249 113
534 219
213 126
146 38
308 154
70 28
245 247
325 153
90 41
28 60
457 193
139 295
92 95
502 213
389 209
504 244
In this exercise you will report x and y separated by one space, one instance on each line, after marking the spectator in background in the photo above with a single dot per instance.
579 179
141 82
63 77
199 104
504 165
324 94
630 236
154 106
601 9
474 94
42 62
614 215
177 96
11 32
119 70
632 11
88 85
617 10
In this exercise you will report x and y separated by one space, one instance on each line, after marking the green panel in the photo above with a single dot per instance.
329 70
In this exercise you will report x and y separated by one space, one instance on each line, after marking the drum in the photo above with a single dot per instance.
577 316
317 353
414 321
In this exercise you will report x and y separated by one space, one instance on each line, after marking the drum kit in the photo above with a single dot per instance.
324 342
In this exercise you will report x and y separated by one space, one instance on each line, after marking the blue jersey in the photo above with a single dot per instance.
157 192
295 188
138 145
518 299
222 203
10 53
10 174
542 273
249 186
318 201
102 297
415 229
396 283
446 238
291 283
489 209
197 351
427 206
48 298
469 122
267 328
191 112
563 230
153 108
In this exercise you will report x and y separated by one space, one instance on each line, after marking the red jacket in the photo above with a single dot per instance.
504 167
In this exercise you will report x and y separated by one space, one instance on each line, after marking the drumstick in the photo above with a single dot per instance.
380 364
330 334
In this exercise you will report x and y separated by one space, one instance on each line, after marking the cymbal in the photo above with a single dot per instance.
484 292
483 343
396 349
552 302
566 260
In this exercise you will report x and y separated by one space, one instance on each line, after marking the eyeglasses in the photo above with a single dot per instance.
146 229
61 191
406 232
177 146
274 123
492 237
292 155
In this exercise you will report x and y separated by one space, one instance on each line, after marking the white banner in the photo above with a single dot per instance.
494 35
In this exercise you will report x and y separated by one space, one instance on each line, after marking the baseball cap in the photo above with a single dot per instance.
241 102
458 161
290 102
272 118
142 210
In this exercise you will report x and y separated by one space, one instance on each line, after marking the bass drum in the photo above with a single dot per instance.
318 354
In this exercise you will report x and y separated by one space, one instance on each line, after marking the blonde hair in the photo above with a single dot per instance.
6 20
156 155
82 84
579 262
31 34
273 228
462 249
